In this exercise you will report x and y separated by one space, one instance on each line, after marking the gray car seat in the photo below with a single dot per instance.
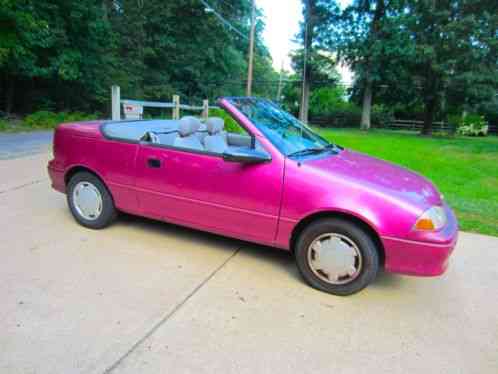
216 140
202 133
187 134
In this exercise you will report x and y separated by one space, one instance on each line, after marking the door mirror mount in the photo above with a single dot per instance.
246 156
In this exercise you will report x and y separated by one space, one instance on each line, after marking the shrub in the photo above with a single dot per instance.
78 116
230 124
348 115
469 125
3 125
48 120
455 119
42 119
381 116
326 100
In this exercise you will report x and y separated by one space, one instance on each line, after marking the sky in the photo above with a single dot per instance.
282 24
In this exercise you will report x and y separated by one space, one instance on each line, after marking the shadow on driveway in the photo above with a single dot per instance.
283 260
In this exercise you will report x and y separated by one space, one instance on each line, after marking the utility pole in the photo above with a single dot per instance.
303 112
251 49
280 81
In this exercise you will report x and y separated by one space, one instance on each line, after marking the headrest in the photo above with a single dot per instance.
188 126
214 125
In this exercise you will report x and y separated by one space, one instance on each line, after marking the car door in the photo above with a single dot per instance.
203 190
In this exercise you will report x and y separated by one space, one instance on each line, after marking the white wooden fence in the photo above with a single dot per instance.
133 109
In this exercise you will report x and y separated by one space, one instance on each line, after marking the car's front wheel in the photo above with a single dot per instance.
90 202
336 256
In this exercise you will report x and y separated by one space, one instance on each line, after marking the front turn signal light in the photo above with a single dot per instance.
431 220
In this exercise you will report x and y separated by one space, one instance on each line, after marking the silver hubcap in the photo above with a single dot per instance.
87 200
334 258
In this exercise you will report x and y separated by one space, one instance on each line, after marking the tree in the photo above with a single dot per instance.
368 36
424 51
377 11
321 73
59 47
65 54
22 34
456 51
176 47
312 62
327 99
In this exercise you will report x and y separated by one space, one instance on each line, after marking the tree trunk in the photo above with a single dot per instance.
9 95
380 10
105 13
367 106
430 108
304 110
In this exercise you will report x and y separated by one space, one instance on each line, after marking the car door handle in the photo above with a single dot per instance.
154 163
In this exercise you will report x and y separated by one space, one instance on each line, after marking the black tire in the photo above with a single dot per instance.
364 243
108 212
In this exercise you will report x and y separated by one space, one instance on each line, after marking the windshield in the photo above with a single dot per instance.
288 134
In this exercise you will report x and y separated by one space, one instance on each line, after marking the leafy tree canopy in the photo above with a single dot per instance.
65 54
441 54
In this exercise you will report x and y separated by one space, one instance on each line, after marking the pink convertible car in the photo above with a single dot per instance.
272 181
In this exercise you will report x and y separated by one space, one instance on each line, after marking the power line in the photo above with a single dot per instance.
227 3
222 19
276 82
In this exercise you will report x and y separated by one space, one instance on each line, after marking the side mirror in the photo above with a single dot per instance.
246 156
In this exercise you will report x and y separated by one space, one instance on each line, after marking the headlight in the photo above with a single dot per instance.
432 219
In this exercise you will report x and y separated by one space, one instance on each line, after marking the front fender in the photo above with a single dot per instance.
308 192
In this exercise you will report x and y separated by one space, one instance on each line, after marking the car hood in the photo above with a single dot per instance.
379 176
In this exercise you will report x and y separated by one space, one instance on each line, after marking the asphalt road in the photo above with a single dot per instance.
24 144
148 297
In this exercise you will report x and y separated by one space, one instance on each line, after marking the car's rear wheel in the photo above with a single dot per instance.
90 202
336 256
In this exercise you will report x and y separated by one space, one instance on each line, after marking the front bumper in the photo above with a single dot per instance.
422 257
57 177
416 258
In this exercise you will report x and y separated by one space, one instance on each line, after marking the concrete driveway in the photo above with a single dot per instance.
148 297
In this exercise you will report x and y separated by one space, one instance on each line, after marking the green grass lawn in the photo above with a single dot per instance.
10 126
464 169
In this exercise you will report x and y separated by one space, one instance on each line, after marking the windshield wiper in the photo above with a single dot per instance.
315 150
307 151
334 147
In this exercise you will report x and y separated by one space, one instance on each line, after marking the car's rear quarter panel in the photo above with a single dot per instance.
82 145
